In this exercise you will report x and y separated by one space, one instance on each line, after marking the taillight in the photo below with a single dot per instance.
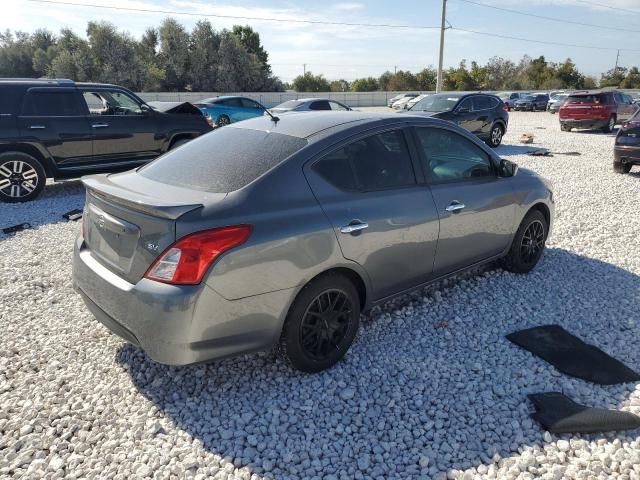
505 107
186 261
632 123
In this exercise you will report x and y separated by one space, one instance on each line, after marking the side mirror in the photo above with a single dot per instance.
507 168
146 109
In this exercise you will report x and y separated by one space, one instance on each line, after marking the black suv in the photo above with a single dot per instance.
483 115
60 129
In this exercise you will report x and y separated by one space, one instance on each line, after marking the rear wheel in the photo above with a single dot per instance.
528 243
564 127
620 167
495 137
22 177
321 323
223 120
611 123
179 143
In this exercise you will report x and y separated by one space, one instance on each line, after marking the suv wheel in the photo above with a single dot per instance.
608 128
495 137
22 177
620 167
179 143
564 127
321 323
528 243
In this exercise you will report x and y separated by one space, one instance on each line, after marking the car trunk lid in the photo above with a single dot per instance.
129 221
582 107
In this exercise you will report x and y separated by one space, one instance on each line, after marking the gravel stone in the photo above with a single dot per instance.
430 388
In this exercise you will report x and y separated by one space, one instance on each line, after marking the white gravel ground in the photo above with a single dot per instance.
430 389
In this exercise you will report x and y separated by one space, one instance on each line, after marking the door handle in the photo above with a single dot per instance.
455 207
100 125
37 127
355 227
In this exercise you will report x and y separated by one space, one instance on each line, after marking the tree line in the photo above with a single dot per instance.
167 58
498 74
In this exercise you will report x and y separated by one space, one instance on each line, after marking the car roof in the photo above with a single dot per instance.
306 125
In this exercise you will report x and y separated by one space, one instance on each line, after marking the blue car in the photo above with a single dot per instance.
227 109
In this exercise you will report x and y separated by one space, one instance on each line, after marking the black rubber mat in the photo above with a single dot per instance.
572 356
559 414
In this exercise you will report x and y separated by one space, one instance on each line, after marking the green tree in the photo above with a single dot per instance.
174 54
339 86
459 78
632 80
427 78
613 77
310 83
251 42
238 70
204 46
368 84
402 81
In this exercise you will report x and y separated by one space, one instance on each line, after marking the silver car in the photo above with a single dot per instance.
264 233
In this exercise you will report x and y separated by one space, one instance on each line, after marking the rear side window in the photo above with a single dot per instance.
582 99
320 105
52 104
377 162
11 99
223 160
482 103
246 103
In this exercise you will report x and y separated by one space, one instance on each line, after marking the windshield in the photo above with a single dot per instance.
526 98
289 104
223 160
436 103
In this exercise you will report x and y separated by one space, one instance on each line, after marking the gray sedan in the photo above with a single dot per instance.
264 233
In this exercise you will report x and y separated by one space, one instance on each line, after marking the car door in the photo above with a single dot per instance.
123 131
464 116
57 119
475 205
482 109
383 216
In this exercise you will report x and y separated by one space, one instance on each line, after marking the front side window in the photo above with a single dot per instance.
111 102
451 157
377 162
52 104
466 105
320 105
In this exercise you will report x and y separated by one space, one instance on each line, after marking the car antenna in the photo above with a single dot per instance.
274 119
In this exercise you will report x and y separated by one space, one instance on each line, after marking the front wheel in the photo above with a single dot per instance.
495 137
223 120
611 123
321 323
22 177
565 128
528 243
620 167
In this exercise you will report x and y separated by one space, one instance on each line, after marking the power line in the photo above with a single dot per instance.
552 19
235 17
544 42
602 5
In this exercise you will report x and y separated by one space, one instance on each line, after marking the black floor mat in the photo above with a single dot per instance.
559 414
572 356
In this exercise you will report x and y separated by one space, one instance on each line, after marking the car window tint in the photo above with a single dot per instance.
223 160
52 104
246 103
320 105
481 103
377 162
337 106
232 102
451 157
466 104
11 99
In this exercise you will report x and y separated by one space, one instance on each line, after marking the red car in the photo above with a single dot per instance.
596 109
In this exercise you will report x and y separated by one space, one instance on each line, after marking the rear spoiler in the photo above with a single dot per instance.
100 187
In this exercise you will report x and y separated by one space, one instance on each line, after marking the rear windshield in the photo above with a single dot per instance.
436 103
290 104
585 99
223 160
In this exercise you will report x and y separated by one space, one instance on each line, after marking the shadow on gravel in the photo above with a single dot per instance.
507 150
55 200
430 385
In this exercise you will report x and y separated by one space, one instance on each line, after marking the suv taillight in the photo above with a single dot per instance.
186 261
505 107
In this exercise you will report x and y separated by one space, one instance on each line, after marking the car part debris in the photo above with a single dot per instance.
16 228
572 356
557 413
526 138
73 215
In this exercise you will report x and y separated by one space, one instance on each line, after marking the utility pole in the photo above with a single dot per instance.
440 59
615 70
395 69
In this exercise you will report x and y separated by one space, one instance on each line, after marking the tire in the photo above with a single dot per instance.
620 167
310 315
223 120
524 254
179 143
565 128
611 123
495 135
22 177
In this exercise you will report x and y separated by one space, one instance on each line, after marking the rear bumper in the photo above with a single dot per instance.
627 154
586 123
178 325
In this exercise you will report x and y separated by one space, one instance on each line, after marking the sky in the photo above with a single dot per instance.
351 52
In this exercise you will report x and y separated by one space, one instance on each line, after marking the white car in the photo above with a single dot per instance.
395 99
414 100
400 104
